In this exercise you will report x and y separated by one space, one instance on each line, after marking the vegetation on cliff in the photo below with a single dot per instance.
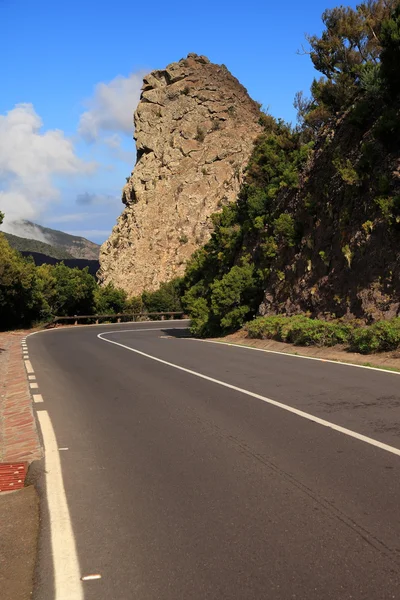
315 229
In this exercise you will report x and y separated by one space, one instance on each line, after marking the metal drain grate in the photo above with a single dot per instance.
12 476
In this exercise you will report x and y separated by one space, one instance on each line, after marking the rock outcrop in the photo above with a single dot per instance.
195 127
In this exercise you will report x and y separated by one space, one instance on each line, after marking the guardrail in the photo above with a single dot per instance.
118 318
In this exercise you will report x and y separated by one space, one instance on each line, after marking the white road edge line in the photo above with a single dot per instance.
33 385
326 360
37 397
28 366
291 409
67 583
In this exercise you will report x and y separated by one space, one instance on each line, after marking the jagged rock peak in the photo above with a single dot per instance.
195 127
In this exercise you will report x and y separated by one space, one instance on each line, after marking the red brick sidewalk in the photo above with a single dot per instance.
19 440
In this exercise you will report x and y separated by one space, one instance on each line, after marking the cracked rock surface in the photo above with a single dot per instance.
195 127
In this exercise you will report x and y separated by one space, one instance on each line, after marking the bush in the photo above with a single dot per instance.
382 336
200 134
200 314
110 300
66 291
230 296
19 300
346 171
319 333
166 299
299 330
284 229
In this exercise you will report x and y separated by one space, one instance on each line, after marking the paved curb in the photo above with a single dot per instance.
19 439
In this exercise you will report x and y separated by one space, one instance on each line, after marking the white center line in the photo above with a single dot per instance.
291 409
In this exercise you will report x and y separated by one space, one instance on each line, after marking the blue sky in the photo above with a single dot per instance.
76 67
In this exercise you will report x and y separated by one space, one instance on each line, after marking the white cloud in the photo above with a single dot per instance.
111 108
26 230
29 160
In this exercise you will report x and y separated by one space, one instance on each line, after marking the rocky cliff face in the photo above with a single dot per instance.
195 127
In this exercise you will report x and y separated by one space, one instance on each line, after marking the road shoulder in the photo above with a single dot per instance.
19 518
19 447
383 360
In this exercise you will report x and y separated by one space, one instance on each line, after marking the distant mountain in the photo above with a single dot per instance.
80 263
27 246
71 245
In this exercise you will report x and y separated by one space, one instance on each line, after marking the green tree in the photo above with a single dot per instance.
135 304
390 57
347 54
109 300
232 297
66 291
166 299
19 303
46 282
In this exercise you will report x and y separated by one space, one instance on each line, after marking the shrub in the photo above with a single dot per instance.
109 299
300 330
229 295
303 331
19 298
200 134
347 253
199 313
346 171
324 257
368 227
382 336
166 299
284 229
312 332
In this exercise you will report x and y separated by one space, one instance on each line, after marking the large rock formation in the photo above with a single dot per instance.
195 126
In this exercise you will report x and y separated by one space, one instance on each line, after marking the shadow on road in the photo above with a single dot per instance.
178 333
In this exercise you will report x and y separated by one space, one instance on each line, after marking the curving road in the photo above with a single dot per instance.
195 470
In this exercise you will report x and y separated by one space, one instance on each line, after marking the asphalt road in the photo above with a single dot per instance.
180 488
